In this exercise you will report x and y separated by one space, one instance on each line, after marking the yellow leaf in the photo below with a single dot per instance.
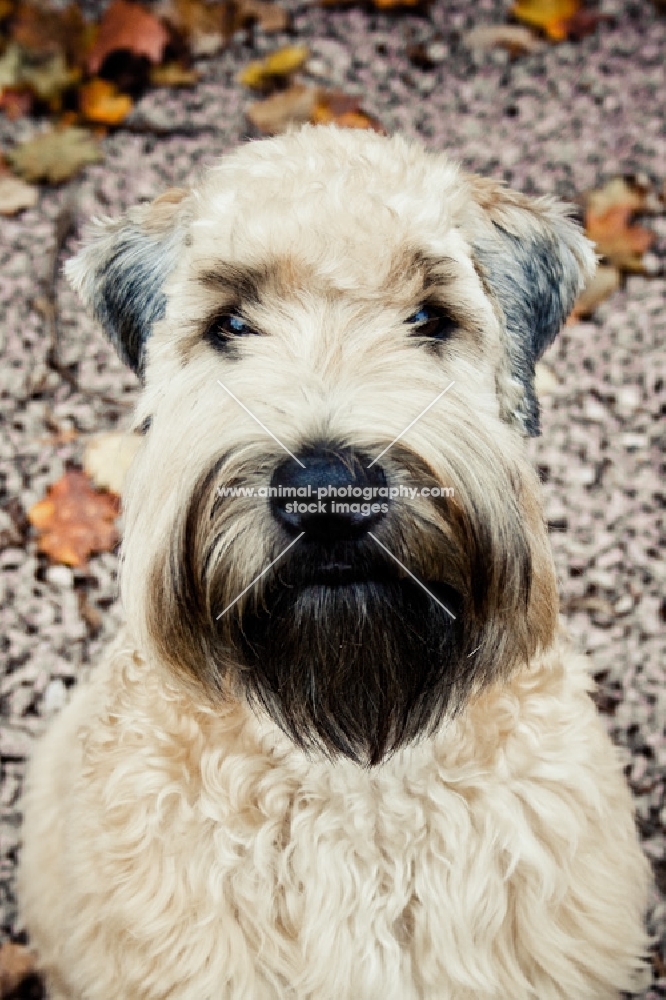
281 63
549 15
173 74
101 102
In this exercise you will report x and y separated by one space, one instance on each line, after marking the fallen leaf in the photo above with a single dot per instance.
514 38
46 76
609 213
101 102
604 282
16 102
74 520
336 108
15 195
47 30
617 191
276 113
584 22
269 16
107 458
55 155
16 964
173 74
551 16
206 26
398 4
128 26
262 73
49 77
10 66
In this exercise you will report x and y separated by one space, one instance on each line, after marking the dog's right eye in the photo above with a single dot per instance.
229 325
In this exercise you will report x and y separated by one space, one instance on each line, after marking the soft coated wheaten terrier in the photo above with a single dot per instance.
341 750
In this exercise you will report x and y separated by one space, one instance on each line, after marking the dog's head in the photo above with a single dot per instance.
330 310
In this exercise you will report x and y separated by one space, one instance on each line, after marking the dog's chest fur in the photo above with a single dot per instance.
282 877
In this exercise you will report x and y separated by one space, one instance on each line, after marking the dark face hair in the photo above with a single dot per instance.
358 661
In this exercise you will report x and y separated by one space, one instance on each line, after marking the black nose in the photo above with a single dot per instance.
334 498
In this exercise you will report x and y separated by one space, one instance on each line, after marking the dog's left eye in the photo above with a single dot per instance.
230 325
432 322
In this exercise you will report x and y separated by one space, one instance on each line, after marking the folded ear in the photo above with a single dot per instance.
534 260
123 265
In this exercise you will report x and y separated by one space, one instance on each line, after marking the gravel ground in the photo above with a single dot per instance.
560 121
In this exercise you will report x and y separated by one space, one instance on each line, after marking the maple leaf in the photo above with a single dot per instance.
101 102
128 26
262 73
55 155
609 213
75 520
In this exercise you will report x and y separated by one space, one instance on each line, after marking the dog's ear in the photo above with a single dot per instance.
534 260
121 269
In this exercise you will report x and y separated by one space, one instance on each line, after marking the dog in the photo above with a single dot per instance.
341 749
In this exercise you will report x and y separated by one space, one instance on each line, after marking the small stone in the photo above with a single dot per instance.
60 576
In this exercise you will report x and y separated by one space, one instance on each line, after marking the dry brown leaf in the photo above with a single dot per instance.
609 213
16 964
206 25
55 155
101 102
604 282
15 195
514 38
131 27
336 108
269 16
276 113
74 520
551 16
46 30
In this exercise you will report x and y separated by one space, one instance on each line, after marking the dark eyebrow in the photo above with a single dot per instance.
243 284
436 271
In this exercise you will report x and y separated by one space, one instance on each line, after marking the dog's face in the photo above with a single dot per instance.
334 284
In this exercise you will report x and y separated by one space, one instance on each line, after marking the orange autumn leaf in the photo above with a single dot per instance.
101 102
609 213
335 108
128 26
549 15
74 520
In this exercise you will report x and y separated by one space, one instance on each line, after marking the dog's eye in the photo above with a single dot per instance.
227 326
429 321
